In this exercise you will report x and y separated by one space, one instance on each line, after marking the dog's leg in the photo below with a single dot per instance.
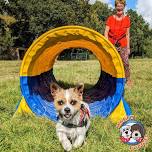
81 133
79 141
65 141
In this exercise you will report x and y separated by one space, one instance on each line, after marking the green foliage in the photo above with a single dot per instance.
99 13
6 42
36 17
147 47
139 33
28 19
6 39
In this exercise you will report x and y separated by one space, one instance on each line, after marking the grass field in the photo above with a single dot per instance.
32 134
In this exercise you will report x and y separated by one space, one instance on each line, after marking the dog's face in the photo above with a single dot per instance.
126 131
67 102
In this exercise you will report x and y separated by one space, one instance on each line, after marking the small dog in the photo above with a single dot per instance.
73 115
125 133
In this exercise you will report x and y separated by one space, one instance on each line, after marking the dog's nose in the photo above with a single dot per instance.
67 110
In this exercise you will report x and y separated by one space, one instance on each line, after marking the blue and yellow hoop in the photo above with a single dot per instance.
37 66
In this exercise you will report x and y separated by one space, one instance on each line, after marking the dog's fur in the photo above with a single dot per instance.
73 115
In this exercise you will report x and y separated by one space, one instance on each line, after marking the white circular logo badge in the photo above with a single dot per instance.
132 132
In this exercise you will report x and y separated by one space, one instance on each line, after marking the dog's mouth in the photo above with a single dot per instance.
67 115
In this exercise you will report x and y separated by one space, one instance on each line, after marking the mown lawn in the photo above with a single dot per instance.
32 134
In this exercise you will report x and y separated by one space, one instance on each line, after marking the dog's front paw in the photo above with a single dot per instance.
67 146
77 145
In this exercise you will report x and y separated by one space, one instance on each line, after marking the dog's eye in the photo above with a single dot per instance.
136 134
73 102
60 102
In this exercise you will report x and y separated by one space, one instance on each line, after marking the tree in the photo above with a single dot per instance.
147 47
6 38
99 13
36 17
139 33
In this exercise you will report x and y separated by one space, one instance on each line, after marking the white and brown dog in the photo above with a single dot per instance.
73 115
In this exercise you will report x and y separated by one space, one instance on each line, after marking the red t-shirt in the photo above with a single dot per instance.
118 28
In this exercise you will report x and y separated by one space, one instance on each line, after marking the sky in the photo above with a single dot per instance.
143 7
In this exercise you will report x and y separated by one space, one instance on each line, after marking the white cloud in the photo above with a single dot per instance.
144 8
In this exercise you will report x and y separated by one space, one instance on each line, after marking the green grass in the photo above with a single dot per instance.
33 134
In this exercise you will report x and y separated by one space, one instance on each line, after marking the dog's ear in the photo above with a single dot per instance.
54 88
79 89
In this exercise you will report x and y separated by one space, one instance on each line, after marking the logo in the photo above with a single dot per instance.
132 132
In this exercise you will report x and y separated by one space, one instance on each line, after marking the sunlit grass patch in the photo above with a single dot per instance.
26 134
